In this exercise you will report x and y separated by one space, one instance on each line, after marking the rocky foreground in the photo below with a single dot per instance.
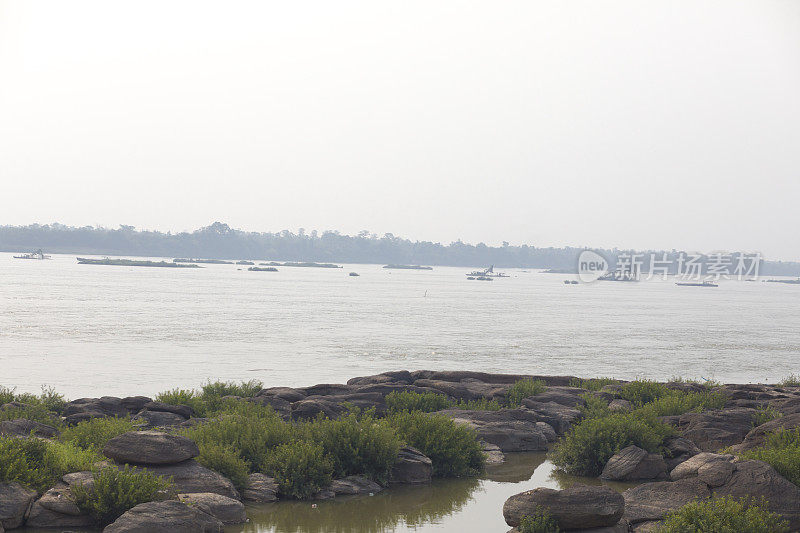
689 468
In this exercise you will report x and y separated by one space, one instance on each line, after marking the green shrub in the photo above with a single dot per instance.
792 380
116 490
7 395
300 469
45 408
592 384
31 411
723 515
226 461
481 404
186 397
414 401
38 463
541 521
250 429
586 449
245 389
594 407
642 391
781 451
764 415
453 448
96 432
356 444
522 389
679 402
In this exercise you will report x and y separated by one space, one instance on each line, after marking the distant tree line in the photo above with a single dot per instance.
220 241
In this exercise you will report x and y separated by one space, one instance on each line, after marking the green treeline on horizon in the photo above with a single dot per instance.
220 241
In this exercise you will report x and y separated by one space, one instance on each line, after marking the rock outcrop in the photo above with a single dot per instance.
168 516
150 448
578 507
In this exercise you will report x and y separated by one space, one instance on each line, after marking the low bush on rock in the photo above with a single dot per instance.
225 460
38 463
764 415
782 452
792 380
642 391
44 408
245 389
524 388
723 515
677 403
429 402
591 384
300 469
586 449
452 448
541 521
356 443
210 399
426 402
94 433
116 490
594 407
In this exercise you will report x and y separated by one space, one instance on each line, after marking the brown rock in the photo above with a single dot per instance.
578 507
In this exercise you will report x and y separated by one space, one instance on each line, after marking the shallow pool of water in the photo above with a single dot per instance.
454 505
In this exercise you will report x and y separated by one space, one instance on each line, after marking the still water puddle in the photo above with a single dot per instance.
455 505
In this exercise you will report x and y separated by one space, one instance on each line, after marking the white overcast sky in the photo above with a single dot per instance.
641 124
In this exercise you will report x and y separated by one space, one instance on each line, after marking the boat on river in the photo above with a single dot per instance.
705 283
38 255
488 273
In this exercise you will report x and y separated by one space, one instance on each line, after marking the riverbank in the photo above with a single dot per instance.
234 443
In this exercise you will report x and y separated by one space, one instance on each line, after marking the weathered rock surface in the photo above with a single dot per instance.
354 485
158 418
23 427
652 501
412 466
260 489
191 477
678 450
150 448
168 516
560 417
59 500
758 435
15 500
182 410
84 478
620 405
568 396
134 404
633 463
492 453
578 507
86 408
715 468
226 510
42 517
712 430
511 430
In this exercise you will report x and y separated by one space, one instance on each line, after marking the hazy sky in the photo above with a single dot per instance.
669 124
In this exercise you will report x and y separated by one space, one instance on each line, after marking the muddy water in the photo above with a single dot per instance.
457 505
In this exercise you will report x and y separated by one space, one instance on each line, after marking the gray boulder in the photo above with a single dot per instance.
15 500
633 463
182 410
758 435
260 489
560 417
22 427
712 430
59 500
578 507
158 418
309 408
150 448
354 485
569 396
412 467
86 408
45 518
191 477
652 501
678 450
511 430
226 510
711 468
134 404
168 516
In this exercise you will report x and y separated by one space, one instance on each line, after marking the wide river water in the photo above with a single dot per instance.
108 330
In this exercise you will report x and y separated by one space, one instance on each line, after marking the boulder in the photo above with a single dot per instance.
85 478
158 418
547 431
578 507
310 407
677 450
42 517
354 485
712 430
167 516
512 430
705 461
560 417
86 408
758 435
399 376
226 510
22 427
183 410
756 479
134 404
150 448
285 393
326 389
260 489
279 405
191 477
569 396
652 501
411 467
59 500
492 453
633 463
15 500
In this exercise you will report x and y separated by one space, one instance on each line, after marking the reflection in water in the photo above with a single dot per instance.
444 505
